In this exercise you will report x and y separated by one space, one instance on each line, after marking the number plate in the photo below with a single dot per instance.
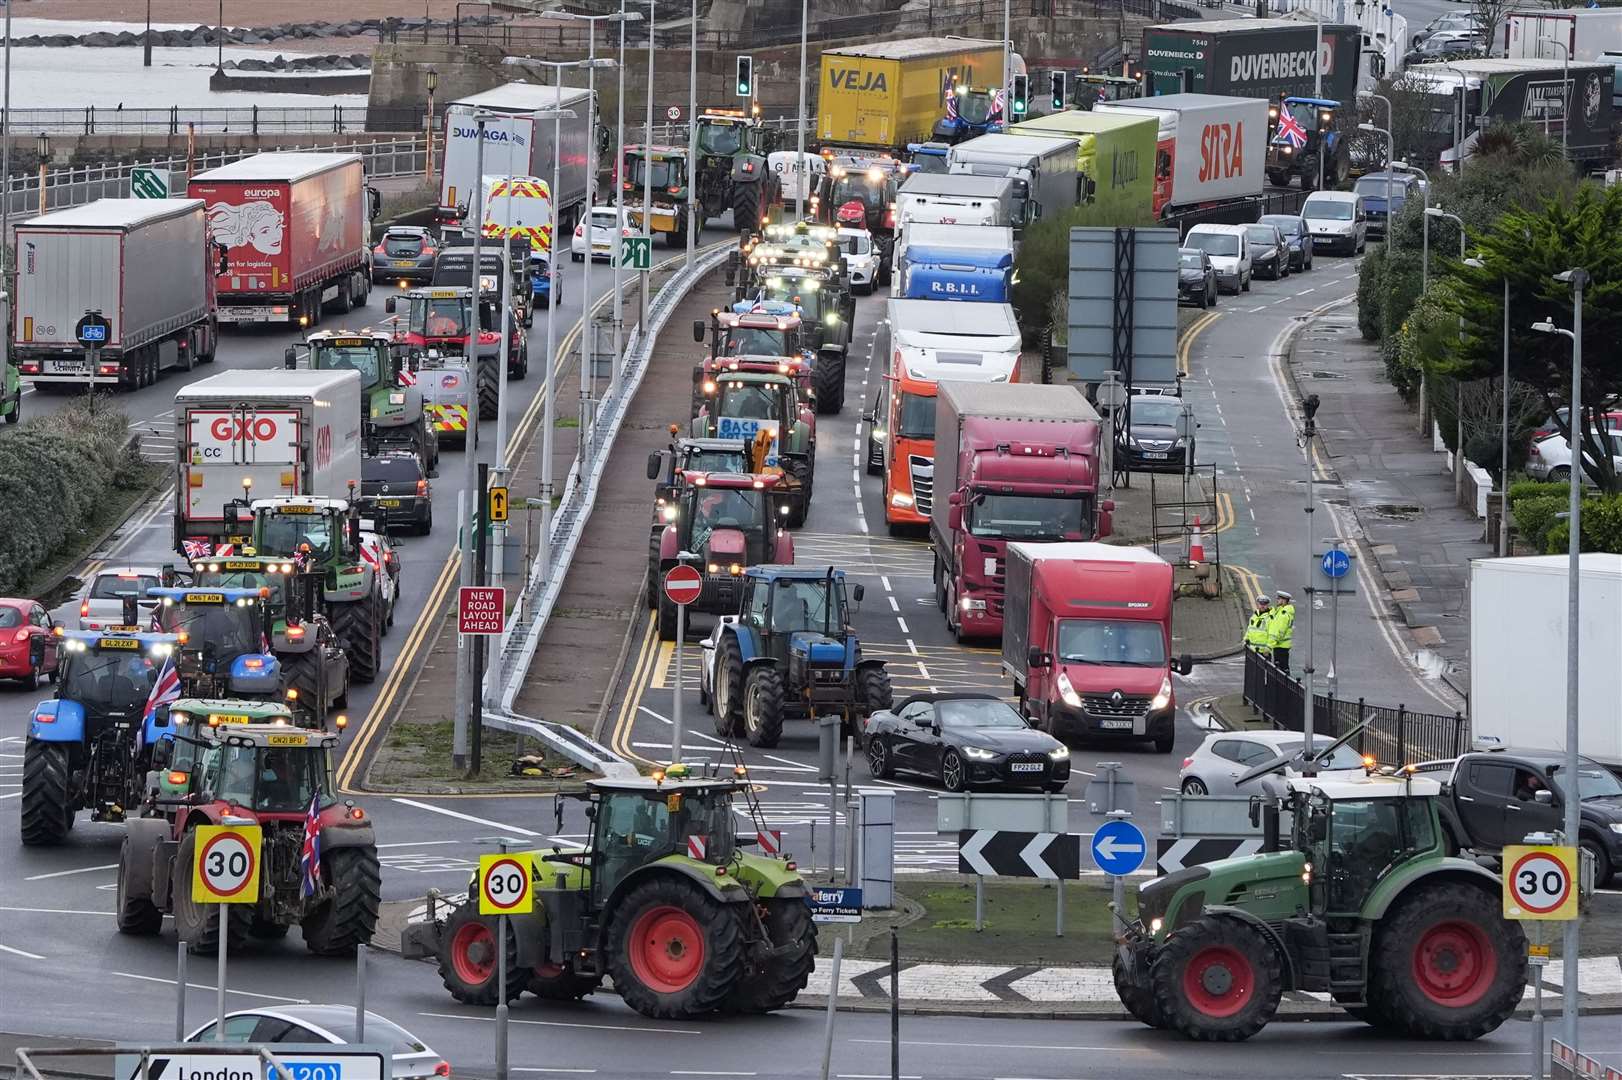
287 740
1026 766
230 718
1156 455
389 504
1115 725
405 262
119 643
70 367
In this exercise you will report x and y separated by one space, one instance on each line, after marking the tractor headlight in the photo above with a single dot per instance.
1067 691
831 319
713 568
397 398
1155 925
979 753
1306 874
1616 826
668 513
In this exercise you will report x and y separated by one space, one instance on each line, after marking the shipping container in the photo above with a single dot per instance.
144 264
1265 58
1044 171
884 95
1210 150
1115 155
295 231
518 144
1586 34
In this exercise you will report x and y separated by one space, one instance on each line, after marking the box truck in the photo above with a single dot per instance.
1263 58
145 264
1044 171
1115 157
1211 151
1518 650
954 199
517 144
1013 462
1586 34
295 231
250 434
954 262
884 95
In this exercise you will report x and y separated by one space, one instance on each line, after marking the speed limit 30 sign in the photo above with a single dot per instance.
1540 882
505 884
226 870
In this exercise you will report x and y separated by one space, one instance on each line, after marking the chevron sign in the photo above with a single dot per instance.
998 853
1172 855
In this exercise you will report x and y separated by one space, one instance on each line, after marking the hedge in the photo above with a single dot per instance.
1536 508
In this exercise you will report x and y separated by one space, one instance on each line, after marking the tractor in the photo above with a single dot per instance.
663 901
969 112
665 169
391 407
273 776
1089 89
731 170
871 184
322 536
186 716
790 654
668 469
757 330
1361 900
764 406
1300 130
820 296
222 637
727 522
437 322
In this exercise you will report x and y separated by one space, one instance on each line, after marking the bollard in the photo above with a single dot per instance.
979 903
180 991
360 992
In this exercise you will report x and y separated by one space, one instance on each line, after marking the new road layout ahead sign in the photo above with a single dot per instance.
481 609
306 1061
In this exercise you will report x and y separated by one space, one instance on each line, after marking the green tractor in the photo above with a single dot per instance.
663 900
1362 900
392 413
763 408
731 171
11 385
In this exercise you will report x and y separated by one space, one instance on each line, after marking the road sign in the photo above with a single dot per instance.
1119 847
1015 813
481 609
1179 853
1335 563
498 504
636 252
835 905
149 183
93 331
227 866
683 584
1540 882
673 113
505 883
999 853
306 1061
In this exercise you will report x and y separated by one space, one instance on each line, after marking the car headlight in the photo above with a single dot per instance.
1059 753
1163 698
979 753
1616 826
1067 691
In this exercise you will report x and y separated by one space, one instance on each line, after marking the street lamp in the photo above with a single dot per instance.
804 180
44 161
1390 156
428 124
1425 257
1503 449
1565 88
5 162
1577 278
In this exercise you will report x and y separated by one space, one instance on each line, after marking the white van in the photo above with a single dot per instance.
1337 221
1229 249
781 162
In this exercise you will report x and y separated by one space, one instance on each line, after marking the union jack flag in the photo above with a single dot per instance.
165 691
310 855
197 549
1290 131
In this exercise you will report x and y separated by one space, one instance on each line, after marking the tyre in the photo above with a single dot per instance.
1602 862
467 958
1136 991
1195 786
728 689
673 951
16 412
875 457
1166 740
829 375
879 765
47 813
1217 980
763 706
1447 964
796 510
575 256
1244 283
745 207
199 924
954 774
1205 299
302 672
135 914
777 980
554 982
349 918
1560 474
667 619
359 627
489 388
345 301
873 691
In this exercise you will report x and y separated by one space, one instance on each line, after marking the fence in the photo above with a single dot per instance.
1239 213
249 120
1394 735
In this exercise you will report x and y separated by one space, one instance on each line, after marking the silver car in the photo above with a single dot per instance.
1218 763
102 605
335 1024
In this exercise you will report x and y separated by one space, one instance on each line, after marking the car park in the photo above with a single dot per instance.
1338 221
1217 764
1269 254
1296 236
405 254
395 490
410 1057
1196 277
607 226
1230 251
102 606
964 741
29 642
1160 433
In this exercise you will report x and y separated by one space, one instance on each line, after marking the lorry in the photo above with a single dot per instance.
295 228
1210 151
954 262
1087 641
1499 90
1114 157
516 144
1014 462
145 265
884 95
1586 34
1261 58
247 433
1518 650
11 386
1045 171
955 199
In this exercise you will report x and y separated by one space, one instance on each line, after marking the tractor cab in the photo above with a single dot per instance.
970 111
726 522
309 532
760 330
801 614
664 170
221 640
1090 89
872 183
673 813
1300 131
272 771
177 750
743 404
437 318
668 467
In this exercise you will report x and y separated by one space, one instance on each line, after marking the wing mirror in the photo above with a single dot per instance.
655 465
290 358
1545 797
698 328
388 304
163 751
954 511
1036 658
858 591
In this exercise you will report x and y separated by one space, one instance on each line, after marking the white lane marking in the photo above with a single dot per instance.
787 761
707 1072
1258 307
903 623
13 795
210 987
566 1024
886 581
466 817
861 523
544 1069
911 647
923 670
893 605
19 952
417 843
70 873
59 911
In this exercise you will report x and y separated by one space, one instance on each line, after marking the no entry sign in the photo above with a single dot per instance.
481 609
683 584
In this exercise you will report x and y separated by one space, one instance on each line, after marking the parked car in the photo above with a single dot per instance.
102 605
1269 254
964 740
333 1024
1338 220
1160 434
1374 186
394 489
1229 249
1215 767
1447 43
607 226
1296 236
406 253
1452 20
1196 277
28 642
1550 457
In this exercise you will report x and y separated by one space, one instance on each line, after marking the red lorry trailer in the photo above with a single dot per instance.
1087 639
1014 461
294 228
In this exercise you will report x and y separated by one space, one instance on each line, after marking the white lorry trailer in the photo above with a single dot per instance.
517 144
1043 170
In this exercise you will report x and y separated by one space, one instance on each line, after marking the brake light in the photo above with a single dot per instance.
422 487
378 250
44 718
1187 762
84 607
20 635
625 232
442 1069
29 367
430 251
675 191
295 632
580 230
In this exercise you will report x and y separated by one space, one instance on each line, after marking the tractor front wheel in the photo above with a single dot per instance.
489 384
47 813
667 618
136 913
467 958
728 688
763 706
554 982
1217 980
674 951
199 924
780 979
349 918
1135 988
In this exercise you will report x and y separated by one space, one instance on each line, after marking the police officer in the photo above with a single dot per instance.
1259 634
1282 626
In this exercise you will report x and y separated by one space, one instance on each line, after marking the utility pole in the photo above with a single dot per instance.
1309 431
464 668
646 276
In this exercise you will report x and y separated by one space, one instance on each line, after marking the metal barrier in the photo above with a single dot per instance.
1238 213
252 119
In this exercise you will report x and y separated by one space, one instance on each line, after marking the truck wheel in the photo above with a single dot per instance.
345 301
47 813
554 982
782 977
873 689
135 911
667 618
728 689
362 290
199 924
467 958
1217 980
350 917
829 375
1136 991
489 388
1447 964
357 626
745 207
763 706
673 951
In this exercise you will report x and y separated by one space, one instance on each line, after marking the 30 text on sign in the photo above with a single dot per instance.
1540 882
226 870
505 883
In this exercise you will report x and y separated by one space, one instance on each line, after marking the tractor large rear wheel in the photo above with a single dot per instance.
489 387
763 706
1447 964
829 375
673 950
781 978
47 815
1135 988
746 207
359 626
873 689
467 958
302 672
728 688
1217 980
349 918
199 924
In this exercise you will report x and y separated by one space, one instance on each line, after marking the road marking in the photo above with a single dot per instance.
70 873
416 843
543 1069
566 1024
707 1072
19 952
207 986
620 741
893 605
903 623
1189 335
59 911
520 830
13 795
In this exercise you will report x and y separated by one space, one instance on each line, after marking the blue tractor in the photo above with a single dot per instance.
789 654
1300 131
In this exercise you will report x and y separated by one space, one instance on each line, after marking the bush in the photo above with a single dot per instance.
1602 526
1370 285
1536 517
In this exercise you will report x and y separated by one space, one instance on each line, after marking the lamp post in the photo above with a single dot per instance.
219 41
5 163
1503 448
646 276
44 160
804 180
1425 258
1565 88
1390 156
1577 278
692 133
428 123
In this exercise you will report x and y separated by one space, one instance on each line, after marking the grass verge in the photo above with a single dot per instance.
417 755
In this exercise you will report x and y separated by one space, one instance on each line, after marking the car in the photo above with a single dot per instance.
379 550
102 605
1550 457
1296 235
1612 418
405 254
861 259
1447 43
1374 186
28 642
1196 277
1452 20
1229 249
410 1057
964 741
1216 765
1160 433
607 226
395 490
540 283
1339 221
875 420
1269 254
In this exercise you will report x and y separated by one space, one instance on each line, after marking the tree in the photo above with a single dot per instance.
1487 15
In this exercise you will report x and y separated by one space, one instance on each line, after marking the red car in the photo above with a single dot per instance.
21 623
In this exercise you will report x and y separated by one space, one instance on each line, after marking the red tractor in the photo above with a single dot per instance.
436 324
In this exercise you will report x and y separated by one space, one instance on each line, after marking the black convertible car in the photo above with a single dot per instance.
965 740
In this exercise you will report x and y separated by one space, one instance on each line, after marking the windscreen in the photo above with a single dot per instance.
368 360
729 461
116 586
796 291
1146 410
439 316
1214 243
1375 187
930 164
754 341
856 244
747 401
1327 209
917 419
1191 262
726 508
1344 757
107 681
1593 781
976 107
803 605
284 533
1262 235
1028 517
1121 642
271 780
722 140
869 193
10 617
978 713
665 172
217 629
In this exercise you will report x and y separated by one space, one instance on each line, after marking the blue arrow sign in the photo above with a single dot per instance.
1335 563
1119 848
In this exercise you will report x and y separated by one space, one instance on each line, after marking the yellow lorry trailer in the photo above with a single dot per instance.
1119 159
884 95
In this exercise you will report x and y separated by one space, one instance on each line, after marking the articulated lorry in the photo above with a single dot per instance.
1500 90
250 434
516 144
1115 157
1211 152
884 95
1591 34
145 264
954 262
1263 58
1045 172
1013 462
295 231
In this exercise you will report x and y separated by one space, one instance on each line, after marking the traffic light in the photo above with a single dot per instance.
1021 94
1059 80
746 76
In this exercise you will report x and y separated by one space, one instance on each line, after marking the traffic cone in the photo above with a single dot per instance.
1196 543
